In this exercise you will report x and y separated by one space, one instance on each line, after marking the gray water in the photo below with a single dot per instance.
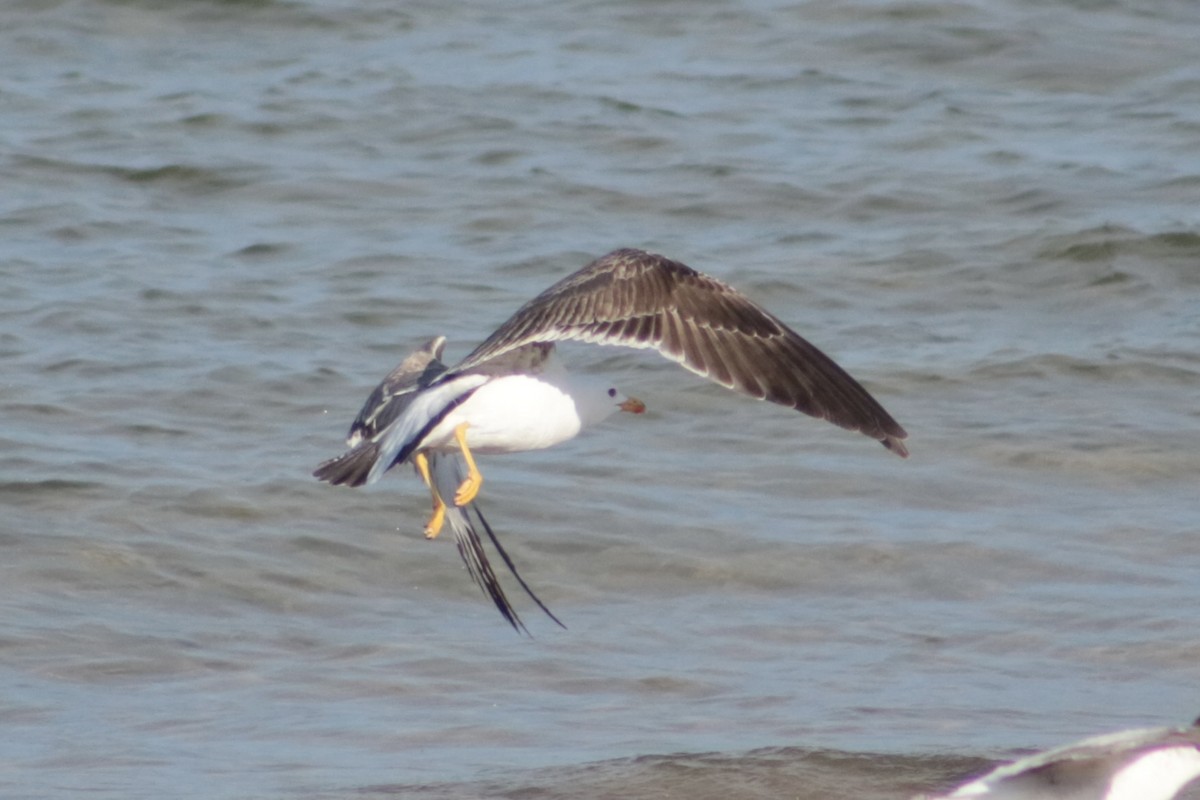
223 222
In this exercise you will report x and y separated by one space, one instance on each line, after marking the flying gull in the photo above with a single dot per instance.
442 473
512 394
1142 764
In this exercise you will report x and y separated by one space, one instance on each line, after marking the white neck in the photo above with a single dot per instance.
592 402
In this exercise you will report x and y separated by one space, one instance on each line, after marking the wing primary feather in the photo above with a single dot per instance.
473 555
693 351
446 471
672 338
511 566
739 364
718 363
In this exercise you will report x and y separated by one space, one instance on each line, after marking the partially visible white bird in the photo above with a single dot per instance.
1141 764
511 393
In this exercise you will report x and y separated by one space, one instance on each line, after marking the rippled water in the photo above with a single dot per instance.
223 222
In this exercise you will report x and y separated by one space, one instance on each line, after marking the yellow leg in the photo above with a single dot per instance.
434 526
469 488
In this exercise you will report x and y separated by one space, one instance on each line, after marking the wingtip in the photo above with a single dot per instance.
896 445
512 567
436 346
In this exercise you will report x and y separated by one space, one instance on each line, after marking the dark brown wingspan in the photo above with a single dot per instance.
635 299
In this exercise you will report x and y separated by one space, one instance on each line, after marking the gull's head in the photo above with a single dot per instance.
630 404
596 401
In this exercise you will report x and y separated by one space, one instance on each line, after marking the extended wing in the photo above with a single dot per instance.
635 299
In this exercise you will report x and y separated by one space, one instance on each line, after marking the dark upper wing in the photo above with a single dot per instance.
635 299
393 394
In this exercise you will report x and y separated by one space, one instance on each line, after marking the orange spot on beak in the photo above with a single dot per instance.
633 406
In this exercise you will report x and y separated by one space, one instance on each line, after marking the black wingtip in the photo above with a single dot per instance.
896 445
513 567
470 548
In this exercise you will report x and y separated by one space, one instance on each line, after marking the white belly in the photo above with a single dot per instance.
509 415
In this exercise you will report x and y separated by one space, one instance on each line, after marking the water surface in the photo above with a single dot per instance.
225 221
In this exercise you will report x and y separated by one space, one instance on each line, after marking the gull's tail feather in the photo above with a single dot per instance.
447 472
350 469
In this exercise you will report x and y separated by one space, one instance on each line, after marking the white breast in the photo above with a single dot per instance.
511 414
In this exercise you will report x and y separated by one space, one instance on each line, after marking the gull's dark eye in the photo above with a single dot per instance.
612 392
